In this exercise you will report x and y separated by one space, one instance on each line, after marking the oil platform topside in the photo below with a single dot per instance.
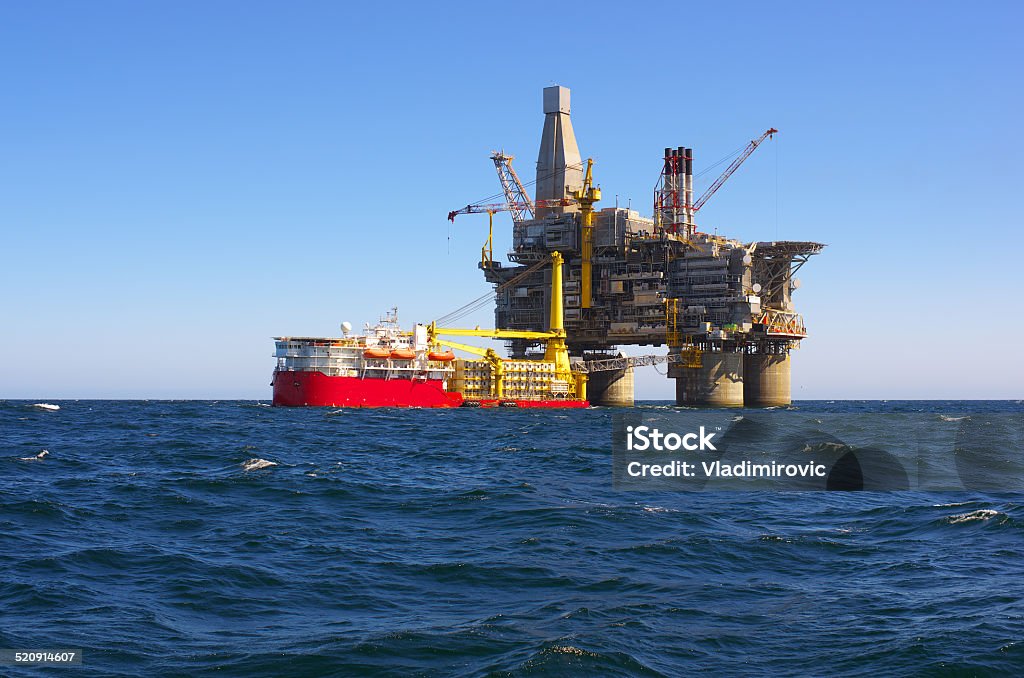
723 307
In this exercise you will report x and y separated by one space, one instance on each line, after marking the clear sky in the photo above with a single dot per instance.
181 181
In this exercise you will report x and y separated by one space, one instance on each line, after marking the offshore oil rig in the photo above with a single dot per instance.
723 307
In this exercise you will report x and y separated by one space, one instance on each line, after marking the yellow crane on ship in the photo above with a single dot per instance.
555 352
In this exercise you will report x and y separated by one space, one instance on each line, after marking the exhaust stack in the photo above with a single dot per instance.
688 190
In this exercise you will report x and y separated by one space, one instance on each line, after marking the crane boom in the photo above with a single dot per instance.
519 203
732 168
509 207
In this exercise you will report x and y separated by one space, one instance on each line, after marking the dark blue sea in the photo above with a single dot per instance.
472 543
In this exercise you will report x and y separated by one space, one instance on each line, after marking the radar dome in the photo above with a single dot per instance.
346 327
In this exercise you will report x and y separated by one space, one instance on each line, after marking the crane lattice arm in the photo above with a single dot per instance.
732 168
509 207
519 203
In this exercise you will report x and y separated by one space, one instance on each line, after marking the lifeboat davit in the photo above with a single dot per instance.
378 353
403 354
447 356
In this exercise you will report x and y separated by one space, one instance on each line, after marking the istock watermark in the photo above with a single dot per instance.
646 438
694 450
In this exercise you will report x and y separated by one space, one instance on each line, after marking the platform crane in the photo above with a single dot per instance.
480 208
584 198
487 251
733 166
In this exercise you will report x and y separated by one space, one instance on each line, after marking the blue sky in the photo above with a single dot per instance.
181 181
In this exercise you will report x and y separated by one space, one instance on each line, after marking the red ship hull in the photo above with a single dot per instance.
316 389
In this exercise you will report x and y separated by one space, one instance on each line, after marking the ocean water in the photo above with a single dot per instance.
469 542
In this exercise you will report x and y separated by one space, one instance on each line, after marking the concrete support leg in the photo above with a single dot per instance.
718 382
766 380
613 388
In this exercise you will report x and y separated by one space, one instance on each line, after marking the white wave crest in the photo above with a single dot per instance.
39 457
980 514
256 464
46 406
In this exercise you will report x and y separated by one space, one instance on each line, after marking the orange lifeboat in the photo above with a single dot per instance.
403 354
447 356
377 353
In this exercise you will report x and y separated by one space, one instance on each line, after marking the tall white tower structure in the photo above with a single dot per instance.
559 166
